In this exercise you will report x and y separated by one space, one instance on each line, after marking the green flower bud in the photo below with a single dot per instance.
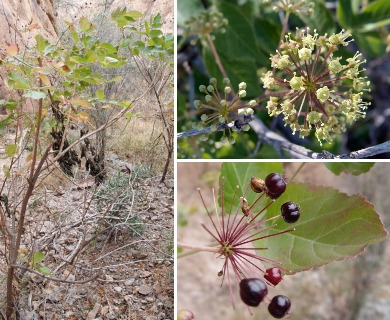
203 117
252 103
242 93
246 127
242 86
202 88
223 103
210 88
197 104
335 66
249 111
313 117
304 54
296 83
227 90
323 94
208 98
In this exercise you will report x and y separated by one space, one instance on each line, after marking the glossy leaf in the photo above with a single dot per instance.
345 13
239 174
333 226
372 43
375 15
354 168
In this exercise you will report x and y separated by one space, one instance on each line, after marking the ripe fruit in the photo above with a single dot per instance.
275 184
273 275
252 291
279 306
290 212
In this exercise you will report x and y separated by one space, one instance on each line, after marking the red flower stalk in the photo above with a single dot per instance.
236 234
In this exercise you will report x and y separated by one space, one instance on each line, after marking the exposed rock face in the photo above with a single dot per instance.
71 10
21 21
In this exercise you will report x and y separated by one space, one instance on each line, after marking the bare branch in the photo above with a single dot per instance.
236 126
282 145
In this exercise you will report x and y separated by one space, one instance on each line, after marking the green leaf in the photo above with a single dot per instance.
17 81
371 43
85 24
10 150
333 226
100 94
354 168
125 103
375 15
345 14
6 171
321 19
41 43
44 270
37 257
123 17
239 174
268 34
34 94
187 9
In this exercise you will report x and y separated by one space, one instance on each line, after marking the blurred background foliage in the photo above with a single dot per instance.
251 36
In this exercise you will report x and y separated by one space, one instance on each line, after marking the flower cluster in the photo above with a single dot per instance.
315 89
207 22
292 6
217 109
237 234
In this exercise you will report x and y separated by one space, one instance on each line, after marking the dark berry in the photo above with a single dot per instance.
279 306
253 291
275 184
273 275
290 212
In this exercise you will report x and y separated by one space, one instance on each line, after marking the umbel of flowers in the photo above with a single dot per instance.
313 88
218 109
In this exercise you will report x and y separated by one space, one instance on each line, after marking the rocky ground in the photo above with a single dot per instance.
345 290
130 263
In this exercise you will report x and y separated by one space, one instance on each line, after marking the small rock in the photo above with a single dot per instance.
118 289
144 290
129 282
146 274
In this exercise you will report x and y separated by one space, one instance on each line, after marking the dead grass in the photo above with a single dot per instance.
139 142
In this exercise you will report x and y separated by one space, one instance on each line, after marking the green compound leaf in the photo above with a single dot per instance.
375 15
239 174
345 14
354 168
333 226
